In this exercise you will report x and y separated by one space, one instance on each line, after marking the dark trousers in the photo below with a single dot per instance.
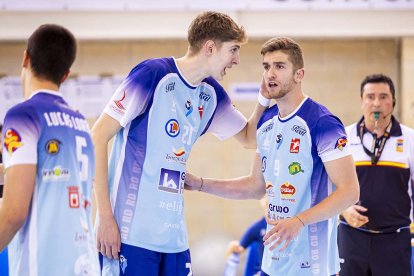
367 254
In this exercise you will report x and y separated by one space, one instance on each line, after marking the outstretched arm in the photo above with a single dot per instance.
107 236
247 136
246 187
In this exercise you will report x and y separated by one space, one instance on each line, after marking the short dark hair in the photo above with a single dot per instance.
52 51
378 78
216 26
287 46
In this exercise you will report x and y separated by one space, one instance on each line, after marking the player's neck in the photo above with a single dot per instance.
290 102
36 84
191 68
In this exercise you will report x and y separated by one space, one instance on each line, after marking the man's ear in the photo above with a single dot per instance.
26 59
209 47
65 76
300 73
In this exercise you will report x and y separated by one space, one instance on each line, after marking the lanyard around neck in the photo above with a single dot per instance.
376 151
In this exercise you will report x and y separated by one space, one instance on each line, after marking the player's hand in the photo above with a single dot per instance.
354 217
192 182
282 233
108 240
263 88
234 247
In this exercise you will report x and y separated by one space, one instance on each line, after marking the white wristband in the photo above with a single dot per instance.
263 101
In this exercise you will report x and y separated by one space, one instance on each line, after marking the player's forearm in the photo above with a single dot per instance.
236 188
101 179
249 140
331 206
9 226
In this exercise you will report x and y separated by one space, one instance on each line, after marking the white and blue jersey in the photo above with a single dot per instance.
162 116
293 150
57 237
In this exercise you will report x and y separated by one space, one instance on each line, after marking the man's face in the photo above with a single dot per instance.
376 97
278 74
226 55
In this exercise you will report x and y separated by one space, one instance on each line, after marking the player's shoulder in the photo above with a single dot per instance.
25 108
267 115
154 66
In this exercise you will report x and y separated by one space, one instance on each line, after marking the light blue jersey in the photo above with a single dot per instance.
162 116
57 237
293 150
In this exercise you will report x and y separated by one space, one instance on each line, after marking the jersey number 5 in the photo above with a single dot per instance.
82 158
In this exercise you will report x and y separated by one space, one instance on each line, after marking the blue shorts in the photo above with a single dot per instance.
140 261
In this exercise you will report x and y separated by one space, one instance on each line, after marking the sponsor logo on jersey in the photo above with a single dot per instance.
279 140
294 145
399 147
170 181
74 200
295 168
118 103
12 140
55 174
268 128
179 152
173 158
304 265
278 208
174 206
204 96
170 87
269 189
299 130
264 158
287 190
341 143
200 111
189 108
172 128
53 146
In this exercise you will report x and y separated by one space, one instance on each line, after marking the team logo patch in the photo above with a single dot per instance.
399 147
170 181
295 168
53 146
74 201
294 145
279 140
341 143
12 140
172 128
189 108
